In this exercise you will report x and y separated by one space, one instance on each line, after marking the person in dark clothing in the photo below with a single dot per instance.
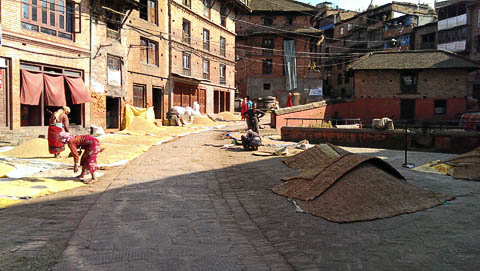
252 141
252 116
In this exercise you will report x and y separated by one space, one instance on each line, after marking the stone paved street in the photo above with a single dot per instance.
189 205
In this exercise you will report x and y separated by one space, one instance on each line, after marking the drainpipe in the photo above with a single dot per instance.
90 68
169 42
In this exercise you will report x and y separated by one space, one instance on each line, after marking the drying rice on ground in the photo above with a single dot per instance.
141 124
465 166
345 187
5 169
33 148
202 120
229 116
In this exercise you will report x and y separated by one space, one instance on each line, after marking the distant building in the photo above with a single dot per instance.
414 85
275 48
459 31
202 53
387 27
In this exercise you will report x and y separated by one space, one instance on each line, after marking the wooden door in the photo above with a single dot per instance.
227 101
157 95
407 109
202 100
216 101
222 101
3 98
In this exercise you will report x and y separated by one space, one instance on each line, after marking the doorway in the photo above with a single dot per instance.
407 109
113 113
4 87
157 96
216 102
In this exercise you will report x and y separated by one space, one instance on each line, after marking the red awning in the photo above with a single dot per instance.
79 91
54 90
32 88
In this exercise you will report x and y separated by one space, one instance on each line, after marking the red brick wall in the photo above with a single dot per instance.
445 142
367 109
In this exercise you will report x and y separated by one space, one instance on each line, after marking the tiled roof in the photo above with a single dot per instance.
280 5
425 59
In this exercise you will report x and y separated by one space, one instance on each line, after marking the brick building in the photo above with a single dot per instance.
44 64
129 58
387 27
202 54
415 85
274 48
459 31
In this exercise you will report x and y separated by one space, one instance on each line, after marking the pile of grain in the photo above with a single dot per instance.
202 120
33 148
228 116
141 124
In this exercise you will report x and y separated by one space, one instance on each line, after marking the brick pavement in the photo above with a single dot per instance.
188 205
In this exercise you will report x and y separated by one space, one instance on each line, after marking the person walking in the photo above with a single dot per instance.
58 123
91 147
249 103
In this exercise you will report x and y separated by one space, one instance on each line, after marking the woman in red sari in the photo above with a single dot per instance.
244 108
91 148
58 123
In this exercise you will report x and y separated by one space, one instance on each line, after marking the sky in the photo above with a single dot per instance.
362 4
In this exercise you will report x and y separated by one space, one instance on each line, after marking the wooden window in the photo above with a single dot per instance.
222 46
223 16
114 73
148 10
186 64
478 18
148 51
223 72
349 27
408 82
267 46
341 30
267 20
267 66
139 96
440 107
206 39
186 31
289 20
206 69
206 8
266 86
187 3
59 18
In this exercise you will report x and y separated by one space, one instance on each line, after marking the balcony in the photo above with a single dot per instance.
452 22
457 46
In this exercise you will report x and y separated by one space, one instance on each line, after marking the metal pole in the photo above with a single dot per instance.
406 164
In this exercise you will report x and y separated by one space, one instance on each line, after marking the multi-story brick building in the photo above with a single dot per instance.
202 54
44 63
275 48
387 27
415 85
129 58
459 31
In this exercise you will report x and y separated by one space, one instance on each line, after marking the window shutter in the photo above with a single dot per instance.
77 17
